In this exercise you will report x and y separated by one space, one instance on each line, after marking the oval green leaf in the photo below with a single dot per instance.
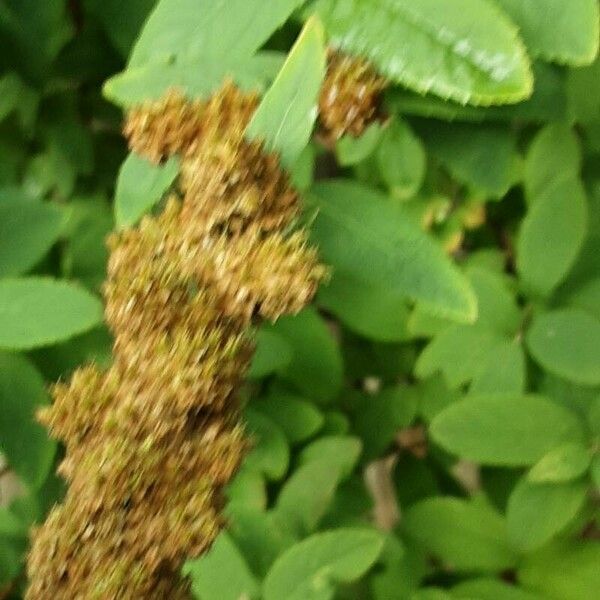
38 311
504 430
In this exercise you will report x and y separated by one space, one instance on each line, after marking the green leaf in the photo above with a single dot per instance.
504 430
270 452
491 589
339 451
121 21
460 352
140 186
566 342
564 463
306 496
287 113
260 538
310 569
219 30
547 103
467 535
565 36
197 77
498 308
364 236
24 443
503 370
222 573
38 311
595 471
565 570
374 312
467 50
552 235
316 367
351 150
297 418
538 511
272 354
401 159
553 155
586 297
246 491
27 232
381 416
483 157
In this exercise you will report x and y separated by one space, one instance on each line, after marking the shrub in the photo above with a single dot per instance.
428 427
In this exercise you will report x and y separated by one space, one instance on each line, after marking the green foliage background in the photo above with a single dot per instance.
430 428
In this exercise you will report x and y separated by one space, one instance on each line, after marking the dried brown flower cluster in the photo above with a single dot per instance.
151 442
350 96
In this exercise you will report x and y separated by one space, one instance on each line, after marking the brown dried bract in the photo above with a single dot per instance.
350 96
152 440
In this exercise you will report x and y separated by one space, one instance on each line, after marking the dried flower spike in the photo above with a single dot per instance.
151 442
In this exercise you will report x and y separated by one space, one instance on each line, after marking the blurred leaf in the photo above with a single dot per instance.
566 342
381 416
222 573
310 569
538 511
272 354
339 451
270 452
197 77
362 235
491 589
565 570
220 31
297 418
484 157
38 311
467 535
466 51
509 430
306 496
401 159
316 366
552 235
563 463
24 443
287 112
554 154
27 232
350 150
374 312
550 32
140 186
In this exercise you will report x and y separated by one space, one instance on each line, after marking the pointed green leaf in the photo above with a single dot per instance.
140 186
270 452
364 236
287 113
